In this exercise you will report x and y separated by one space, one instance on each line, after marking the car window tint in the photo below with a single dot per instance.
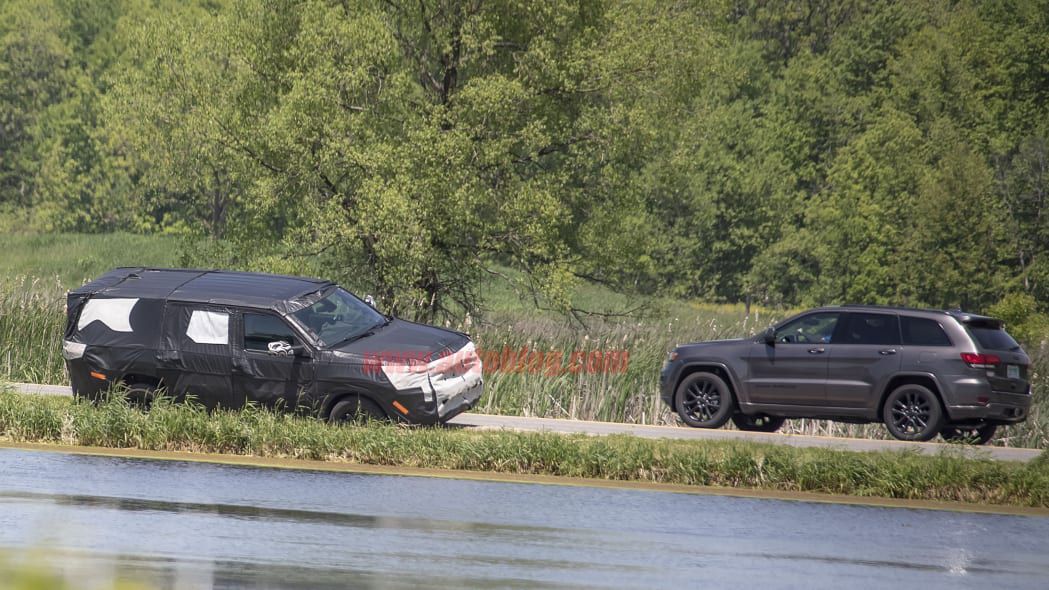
808 329
261 329
868 328
923 332
993 338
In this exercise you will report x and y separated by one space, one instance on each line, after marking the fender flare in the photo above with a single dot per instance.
332 399
886 390
688 367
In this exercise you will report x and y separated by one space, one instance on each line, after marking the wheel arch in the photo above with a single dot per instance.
924 379
332 399
719 369
130 379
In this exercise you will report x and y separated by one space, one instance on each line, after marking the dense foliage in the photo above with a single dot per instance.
787 152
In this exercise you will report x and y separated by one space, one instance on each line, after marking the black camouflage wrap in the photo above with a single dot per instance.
157 351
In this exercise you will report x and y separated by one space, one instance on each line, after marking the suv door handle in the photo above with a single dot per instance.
815 351
887 351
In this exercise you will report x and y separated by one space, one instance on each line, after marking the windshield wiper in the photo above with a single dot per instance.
369 332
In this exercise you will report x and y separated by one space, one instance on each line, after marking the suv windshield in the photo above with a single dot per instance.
993 338
337 317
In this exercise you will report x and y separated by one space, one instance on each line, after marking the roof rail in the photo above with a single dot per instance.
894 307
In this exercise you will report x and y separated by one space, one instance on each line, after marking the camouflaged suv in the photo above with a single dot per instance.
230 338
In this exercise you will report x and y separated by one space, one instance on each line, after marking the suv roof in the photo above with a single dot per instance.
961 316
250 289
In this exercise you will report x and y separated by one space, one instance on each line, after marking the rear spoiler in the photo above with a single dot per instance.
978 321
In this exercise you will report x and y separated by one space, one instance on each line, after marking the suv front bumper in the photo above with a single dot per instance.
459 403
667 380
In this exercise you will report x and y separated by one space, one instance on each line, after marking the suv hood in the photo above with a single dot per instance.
401 337
706 343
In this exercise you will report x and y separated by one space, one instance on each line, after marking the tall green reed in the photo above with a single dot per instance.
31 323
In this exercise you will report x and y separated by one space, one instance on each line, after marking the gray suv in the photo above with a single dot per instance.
921 372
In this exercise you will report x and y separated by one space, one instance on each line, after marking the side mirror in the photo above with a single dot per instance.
769 336
284 348
279 348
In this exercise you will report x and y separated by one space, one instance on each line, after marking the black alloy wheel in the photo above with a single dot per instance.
913 413
704 400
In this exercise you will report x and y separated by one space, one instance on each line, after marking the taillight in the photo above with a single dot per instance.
981 361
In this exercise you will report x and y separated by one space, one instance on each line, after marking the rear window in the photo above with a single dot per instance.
993 338
923 332
868 328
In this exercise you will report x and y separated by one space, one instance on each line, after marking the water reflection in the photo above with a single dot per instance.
94 569
183 525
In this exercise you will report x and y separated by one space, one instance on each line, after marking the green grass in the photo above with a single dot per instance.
256 432
68 260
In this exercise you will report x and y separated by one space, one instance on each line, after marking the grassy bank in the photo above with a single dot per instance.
31 322
257 432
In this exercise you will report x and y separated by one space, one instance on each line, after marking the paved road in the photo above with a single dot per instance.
490 422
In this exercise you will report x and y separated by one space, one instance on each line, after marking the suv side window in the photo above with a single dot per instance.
923 332
200 330
260 329
815 328
868 328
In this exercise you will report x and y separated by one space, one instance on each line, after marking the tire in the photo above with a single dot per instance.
913 413
969 435
758 422
141 394
357 410
93 398
703 400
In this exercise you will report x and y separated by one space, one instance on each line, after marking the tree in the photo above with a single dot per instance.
34 75
957 230
1024 185
860 222
417 141
174 99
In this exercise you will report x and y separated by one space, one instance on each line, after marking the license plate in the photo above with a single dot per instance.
1013 371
